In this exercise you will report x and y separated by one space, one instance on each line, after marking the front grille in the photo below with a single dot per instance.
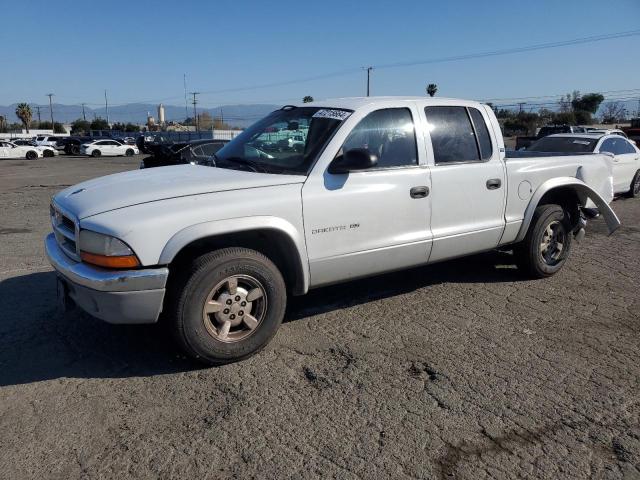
65 229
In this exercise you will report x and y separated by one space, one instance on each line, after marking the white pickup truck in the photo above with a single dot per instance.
381 184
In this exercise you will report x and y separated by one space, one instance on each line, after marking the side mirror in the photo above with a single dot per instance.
608 154
353 160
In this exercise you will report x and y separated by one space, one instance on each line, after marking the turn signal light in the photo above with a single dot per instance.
125 261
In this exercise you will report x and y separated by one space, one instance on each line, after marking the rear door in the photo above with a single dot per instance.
468 181
4 149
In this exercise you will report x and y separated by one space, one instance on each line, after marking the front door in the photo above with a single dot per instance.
365 222
626 161
468 179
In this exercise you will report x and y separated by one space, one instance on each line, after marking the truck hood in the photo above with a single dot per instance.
149 185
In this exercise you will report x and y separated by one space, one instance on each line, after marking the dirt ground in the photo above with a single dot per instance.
458 370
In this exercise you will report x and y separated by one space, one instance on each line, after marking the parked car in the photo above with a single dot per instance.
108 148
47 141
24 142
71 145
607 131
195 152
633 131
524 142
625 153
30 152
382 184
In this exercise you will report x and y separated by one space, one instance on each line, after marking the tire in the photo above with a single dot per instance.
47 153
96 153
31 155
635 186
75 150
129 152
550 226
202 335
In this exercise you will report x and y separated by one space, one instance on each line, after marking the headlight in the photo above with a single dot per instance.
106 251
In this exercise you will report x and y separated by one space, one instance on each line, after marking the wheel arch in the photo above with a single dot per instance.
568 192
275 238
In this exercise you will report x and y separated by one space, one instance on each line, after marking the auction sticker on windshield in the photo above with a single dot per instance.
332 114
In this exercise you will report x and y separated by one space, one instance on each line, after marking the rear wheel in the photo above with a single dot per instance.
75 150
96 153
31 155
546 246
635 185
228 305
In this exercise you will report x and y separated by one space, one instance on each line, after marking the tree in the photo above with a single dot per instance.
130 127
613 112
589 102
205 121
432 88
99 124
3 124
23 112
307 99
564 118
80 126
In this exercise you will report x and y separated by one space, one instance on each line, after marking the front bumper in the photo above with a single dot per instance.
115 296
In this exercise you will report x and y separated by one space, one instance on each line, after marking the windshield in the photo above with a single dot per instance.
564 144
285 141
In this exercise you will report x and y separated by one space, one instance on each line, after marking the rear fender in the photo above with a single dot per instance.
584 193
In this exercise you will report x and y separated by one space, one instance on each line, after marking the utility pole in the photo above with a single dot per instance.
195 113
38 109
84 117
186 108
106 106
51 110
368 69
520 105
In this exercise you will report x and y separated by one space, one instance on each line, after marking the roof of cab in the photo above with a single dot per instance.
353 103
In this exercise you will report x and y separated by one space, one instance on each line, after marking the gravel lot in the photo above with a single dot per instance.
459 370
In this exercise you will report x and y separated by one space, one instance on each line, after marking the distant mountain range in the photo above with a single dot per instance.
234 115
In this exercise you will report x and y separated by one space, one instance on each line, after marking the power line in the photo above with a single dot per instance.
349 71
508 51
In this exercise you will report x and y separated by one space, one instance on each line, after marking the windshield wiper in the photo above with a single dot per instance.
241 161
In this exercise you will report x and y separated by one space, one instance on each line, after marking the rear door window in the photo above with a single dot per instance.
452 135
482 134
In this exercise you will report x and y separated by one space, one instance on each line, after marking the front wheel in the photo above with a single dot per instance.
129 152
31 155
48 153
228 305
546 246
96 153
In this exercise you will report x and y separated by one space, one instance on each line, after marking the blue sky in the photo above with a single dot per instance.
139 50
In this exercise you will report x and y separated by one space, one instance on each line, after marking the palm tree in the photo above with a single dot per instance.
432 88
307 99
23 112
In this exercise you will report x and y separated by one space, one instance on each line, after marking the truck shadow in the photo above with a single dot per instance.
37 343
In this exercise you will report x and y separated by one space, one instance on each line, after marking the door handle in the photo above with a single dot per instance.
494 183
419 192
